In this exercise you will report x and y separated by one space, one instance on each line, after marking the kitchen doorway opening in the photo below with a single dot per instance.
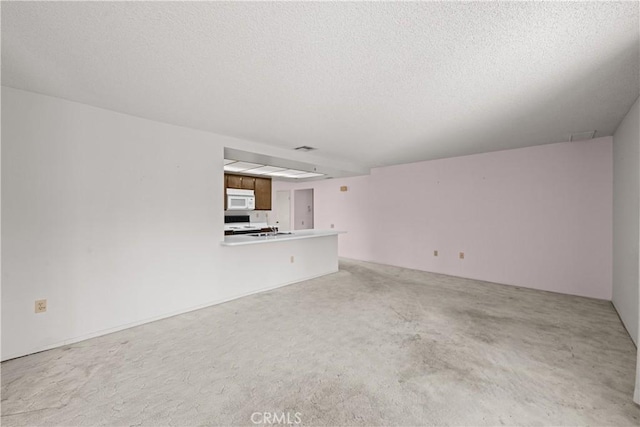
303 209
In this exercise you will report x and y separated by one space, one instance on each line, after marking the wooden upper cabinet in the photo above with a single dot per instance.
240 181
261 186
263 194
248 183
234 181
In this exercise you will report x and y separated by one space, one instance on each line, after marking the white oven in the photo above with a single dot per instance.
240 200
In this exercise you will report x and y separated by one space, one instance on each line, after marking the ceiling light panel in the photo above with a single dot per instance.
307 175
266 170
260 169
288 173
241 166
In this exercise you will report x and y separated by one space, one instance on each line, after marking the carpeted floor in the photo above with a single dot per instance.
369 345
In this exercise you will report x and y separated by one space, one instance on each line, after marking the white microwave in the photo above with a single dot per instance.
240 200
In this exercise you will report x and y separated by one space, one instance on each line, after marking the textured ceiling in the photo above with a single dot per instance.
374 83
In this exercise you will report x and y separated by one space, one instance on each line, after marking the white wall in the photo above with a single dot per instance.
117 220
537 217
626 217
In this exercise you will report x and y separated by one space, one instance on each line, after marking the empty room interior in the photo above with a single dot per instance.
320 213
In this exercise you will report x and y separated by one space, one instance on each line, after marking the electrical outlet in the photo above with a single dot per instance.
461 256
41 306
291 259
435 253
332 226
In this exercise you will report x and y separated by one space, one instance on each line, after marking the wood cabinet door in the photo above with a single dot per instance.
263 194
248 182
234 181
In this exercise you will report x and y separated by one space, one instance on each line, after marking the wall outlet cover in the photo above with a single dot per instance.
41 306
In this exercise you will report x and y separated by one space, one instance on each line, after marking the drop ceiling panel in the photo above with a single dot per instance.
241 166
266 170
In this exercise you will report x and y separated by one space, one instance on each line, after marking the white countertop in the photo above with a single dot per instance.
245 239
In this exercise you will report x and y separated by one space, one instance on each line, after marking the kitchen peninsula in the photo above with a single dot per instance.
264 262
249 239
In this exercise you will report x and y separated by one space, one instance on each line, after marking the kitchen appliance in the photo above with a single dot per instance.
240 200
240 224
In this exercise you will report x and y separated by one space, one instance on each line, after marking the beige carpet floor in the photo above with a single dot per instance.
369 345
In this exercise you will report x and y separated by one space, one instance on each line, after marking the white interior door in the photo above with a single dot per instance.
303 209
283 209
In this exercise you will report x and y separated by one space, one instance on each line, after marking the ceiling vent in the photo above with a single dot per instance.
305 148
583 136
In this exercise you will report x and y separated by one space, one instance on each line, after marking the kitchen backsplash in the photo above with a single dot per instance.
260 216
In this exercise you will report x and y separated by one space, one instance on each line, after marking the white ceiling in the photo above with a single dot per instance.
373 83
